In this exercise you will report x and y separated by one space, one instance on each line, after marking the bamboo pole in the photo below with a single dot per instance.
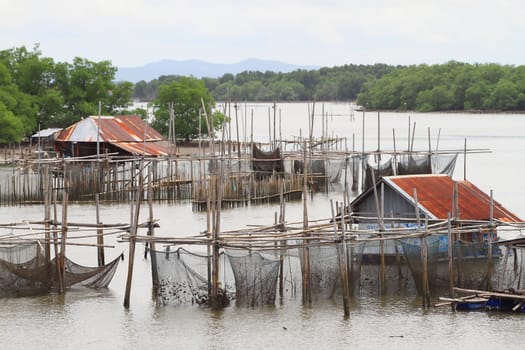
342 263
424 257
450 257
47 214
100 234
490 263
151 232
306 270
62 259
133 233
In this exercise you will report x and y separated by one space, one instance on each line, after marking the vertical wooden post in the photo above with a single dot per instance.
100 234
281 251
306 269
133 234
47 214
341 261
424 256
490 239
465 161
151 232
55 238
62 259
450 257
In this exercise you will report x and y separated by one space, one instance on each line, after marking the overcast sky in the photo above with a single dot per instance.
309 32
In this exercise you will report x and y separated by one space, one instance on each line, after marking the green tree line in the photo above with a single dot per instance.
37 93
441 87
328 84
451 86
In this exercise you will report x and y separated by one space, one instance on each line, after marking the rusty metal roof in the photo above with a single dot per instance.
127 128
129 133
435 196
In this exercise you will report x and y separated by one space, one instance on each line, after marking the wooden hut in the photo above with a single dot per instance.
122 135
436 198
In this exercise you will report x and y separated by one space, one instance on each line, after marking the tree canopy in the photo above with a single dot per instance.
36 92
186 96
450 86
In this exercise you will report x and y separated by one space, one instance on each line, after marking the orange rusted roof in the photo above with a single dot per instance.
128 128
129 133
435 196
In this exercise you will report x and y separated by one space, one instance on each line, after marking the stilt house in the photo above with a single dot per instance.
118 135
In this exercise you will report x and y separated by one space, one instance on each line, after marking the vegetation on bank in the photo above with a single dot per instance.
38 93
442 87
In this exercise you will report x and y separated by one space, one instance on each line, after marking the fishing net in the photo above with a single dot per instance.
470 263
24 271
408 164
413 254
20 253
511 269
444 164
182 277
266 163
379 169
397 278
321 270
256 275
87 276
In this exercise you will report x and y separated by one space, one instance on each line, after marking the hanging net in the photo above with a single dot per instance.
378 168
320 266
182 277
256 274
412 251
511 269
24 271
86 276
470 263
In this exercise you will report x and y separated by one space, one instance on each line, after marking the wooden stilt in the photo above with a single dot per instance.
100 234
133 234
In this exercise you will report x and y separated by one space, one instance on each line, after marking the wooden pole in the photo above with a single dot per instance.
465 160
306 270
151 232
424 256
62 259
47 214
341 260
490 266
133 234
55 238
394 167
450 258
100 233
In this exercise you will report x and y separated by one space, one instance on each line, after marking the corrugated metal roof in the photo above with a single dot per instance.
46 132
130 133
129 128
435 195
157 148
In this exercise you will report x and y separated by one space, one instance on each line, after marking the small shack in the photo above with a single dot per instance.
394 203
436 198
120 135
45 139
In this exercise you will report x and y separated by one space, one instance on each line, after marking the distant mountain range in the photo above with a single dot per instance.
200 69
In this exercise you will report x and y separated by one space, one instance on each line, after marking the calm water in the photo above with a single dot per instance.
86 319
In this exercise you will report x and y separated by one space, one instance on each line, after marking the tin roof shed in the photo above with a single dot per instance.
126 135
435 198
